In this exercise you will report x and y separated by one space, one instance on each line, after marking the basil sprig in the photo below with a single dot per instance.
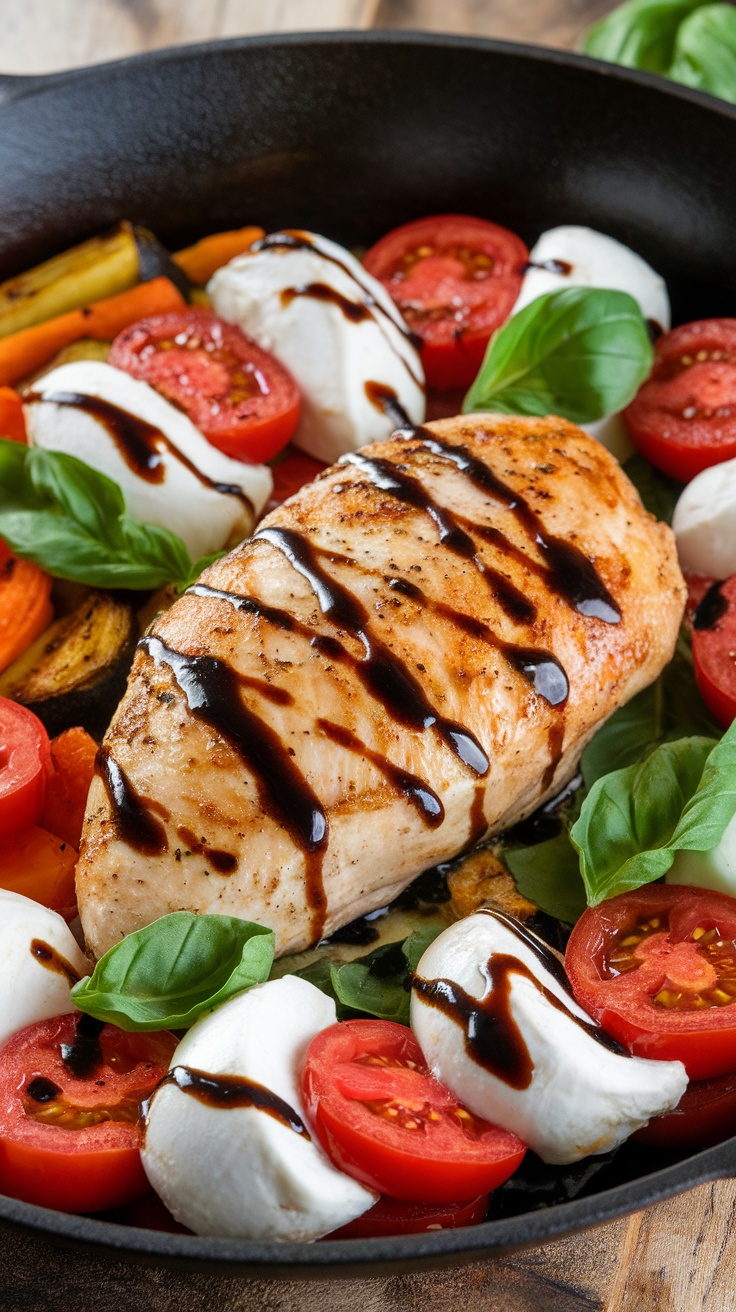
690 41
377 984
166 975
581 352
71 520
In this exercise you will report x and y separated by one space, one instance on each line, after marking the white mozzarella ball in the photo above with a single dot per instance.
240 1172
715 869
581 1097
295 301
205 518
582 257
36 945
704 522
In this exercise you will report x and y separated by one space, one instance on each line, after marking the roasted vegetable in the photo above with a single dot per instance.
97 269
200 261
75 673
154 261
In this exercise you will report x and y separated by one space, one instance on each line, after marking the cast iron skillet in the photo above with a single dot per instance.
351 134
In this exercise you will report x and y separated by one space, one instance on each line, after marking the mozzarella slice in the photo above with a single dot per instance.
36 947
336 329
185 500
579 1096
704 522
240 1172
714 869
582 257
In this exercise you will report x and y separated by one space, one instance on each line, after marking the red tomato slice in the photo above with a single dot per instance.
657 969
390 1217
292 471
238 395
70 1112
25 763
684 417
714 642
384 1119
705 1115
455 280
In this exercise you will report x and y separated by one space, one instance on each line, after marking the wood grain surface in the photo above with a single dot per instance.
677 1257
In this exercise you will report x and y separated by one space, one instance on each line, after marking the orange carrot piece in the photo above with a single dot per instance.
24 352
12 423
25 606
40 866
200 261
73 765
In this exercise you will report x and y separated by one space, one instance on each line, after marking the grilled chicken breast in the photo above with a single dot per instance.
410 653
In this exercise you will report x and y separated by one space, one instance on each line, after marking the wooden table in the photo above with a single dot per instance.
676 1257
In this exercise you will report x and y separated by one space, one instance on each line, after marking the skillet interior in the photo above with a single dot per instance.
351 134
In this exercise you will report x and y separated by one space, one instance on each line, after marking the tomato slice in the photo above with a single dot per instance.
238 395
71 1091
705 1115
714 642
389 1216
683 419
291 471
657 969
384 1119
25 764
455 280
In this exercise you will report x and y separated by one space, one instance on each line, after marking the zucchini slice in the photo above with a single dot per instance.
75 672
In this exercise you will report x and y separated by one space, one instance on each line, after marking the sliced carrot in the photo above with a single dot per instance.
200 261
23 353
12 423
25 605
73 765
41 866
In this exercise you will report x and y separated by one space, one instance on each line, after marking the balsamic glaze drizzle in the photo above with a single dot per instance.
53 960
492 1037
423 798
711 608
228 1091
132 818
42 1090
382 673
140 444
83 1056
211 689
353 311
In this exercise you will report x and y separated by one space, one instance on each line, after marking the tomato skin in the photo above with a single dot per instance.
241 397
291 472
714 639
25 765
353 1072
683 419
457 294
84 1169
390 1217
705 1115
703 1039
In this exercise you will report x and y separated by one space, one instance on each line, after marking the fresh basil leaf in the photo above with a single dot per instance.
669 708
640 34
581 353
70 519
376 984
319 973
705 51
166 975
659 493
415 946
683 795
549 875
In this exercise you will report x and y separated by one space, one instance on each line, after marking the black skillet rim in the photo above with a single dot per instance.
348 1257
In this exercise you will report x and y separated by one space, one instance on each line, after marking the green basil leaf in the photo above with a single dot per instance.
376 984
683 795
705 51
549 875
640 34
319 973
669 708
581 353
166 975
70 519
659 493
